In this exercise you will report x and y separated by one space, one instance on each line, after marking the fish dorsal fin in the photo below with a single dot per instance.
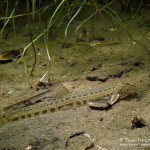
59 91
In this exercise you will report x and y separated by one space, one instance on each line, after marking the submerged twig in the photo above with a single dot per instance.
73 135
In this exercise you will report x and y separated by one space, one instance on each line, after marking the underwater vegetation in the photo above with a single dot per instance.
53 14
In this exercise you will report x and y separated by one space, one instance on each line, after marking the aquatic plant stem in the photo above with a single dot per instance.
47 29
73 18
138 8
35 57
7 20
26 73
89 17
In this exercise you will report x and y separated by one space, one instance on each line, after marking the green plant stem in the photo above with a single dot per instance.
85 20
51 22
26 72
73 18
7 20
